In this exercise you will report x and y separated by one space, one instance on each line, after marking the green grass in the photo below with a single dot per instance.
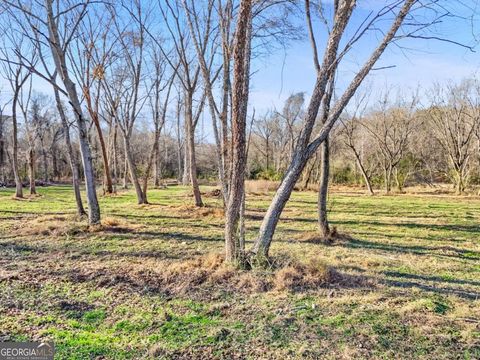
419 255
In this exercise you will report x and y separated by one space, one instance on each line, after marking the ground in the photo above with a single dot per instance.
401 281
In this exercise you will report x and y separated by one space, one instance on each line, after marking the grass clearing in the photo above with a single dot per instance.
149 282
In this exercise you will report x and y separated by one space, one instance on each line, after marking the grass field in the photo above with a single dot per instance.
147 284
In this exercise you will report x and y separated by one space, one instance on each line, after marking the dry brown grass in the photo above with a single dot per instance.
304 276
199 212
208 276
51 225
315 237
261 187
69 225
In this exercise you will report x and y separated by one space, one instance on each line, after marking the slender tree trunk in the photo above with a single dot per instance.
151 158
125 168
45 165
71 156
61 66
158 167
18 181
31 170
56 174
186 162
323 190
366 178
115 158
191 149
107 177
141 196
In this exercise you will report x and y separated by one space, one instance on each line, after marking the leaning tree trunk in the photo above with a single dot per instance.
18 181
366 178
141 196
107 176
61 65
323 190
31 170
71 156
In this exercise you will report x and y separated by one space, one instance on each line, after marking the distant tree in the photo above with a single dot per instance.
51 26
391 128
454 118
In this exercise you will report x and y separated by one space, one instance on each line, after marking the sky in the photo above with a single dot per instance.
413 63
418 63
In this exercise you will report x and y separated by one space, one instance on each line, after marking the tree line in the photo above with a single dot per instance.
132 83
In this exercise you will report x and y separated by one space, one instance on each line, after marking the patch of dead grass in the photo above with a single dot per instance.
199 212
64 225
261 187
209 275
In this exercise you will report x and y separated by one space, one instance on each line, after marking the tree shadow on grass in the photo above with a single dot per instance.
444 251
431 278
444 290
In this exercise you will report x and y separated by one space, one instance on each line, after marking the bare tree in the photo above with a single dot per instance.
88 55
14 44
159 113
306 147
392 128
240 90
355 142
188 76
53 25
454 118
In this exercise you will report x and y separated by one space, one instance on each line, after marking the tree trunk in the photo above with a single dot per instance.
459 186
125 168
115 158
388 179
241 73
56 173
323 190
107 177
71 156
150 162
366 178
45 165
158 167
61 66
398 181
31 170
141 196
191 150
186 163
18 181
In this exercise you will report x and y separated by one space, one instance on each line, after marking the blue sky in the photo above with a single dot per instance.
419 63
284 72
